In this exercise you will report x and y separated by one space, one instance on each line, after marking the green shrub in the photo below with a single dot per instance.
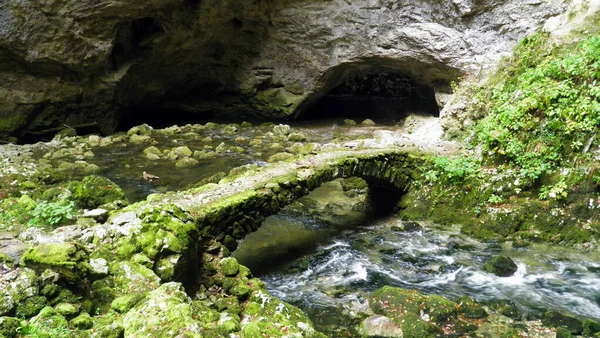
544 108
52 213
455 170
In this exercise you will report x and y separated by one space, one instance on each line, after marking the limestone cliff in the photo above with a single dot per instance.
100 61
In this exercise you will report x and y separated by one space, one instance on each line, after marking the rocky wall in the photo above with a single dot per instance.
96 63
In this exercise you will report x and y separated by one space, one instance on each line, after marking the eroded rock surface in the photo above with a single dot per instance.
91 63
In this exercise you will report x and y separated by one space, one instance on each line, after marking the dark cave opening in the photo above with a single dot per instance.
381 95
131 38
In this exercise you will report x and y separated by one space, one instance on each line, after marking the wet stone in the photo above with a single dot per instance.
380 326
501 266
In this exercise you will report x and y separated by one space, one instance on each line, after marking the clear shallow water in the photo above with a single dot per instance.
123 163
334 274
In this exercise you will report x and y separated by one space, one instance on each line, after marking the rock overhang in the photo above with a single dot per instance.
266 59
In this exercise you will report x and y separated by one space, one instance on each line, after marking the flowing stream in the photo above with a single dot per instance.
329 270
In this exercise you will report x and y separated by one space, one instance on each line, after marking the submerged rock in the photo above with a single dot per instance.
501 266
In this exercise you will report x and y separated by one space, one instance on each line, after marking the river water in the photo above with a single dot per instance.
329 270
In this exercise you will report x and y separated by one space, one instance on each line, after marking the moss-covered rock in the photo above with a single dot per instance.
590 328
9 327
272 317
132 277
165 312
70 260
418 315
280 157
125 303
380 326
186 162
556 319
31 306
229 266
67 310
94 191
501 266
469 308
82 322
48 323
415 327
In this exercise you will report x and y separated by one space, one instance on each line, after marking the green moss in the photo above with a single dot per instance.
229 266
47 324
413 327
125 303
590 328
405 308
269 315
82 322
501 266
164 311
558 320
9 327
68 259
68 310
469 308
29 307
94 191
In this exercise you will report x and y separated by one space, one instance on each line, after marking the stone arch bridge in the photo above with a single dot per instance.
175 229
187 237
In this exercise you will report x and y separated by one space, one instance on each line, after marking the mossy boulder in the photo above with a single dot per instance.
125 303
591 328
68 310
556 319
9 327
165 312
392 302
166 230
414 327
417 314
229 266
31 306
94 191
280 157
132 277
186 162
82 322
270 316
69 260
469 308
48 323
142 129
501 266
380 326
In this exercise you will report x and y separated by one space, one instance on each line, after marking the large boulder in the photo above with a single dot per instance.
84 63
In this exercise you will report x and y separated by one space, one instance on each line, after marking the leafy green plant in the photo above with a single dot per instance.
544 108
52 213
454 170
557 191
494 199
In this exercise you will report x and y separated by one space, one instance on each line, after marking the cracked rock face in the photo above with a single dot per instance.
97 62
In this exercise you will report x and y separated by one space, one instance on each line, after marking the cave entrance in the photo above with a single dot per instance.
382 95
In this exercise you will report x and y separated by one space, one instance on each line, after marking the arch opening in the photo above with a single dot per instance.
386 95
295 231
